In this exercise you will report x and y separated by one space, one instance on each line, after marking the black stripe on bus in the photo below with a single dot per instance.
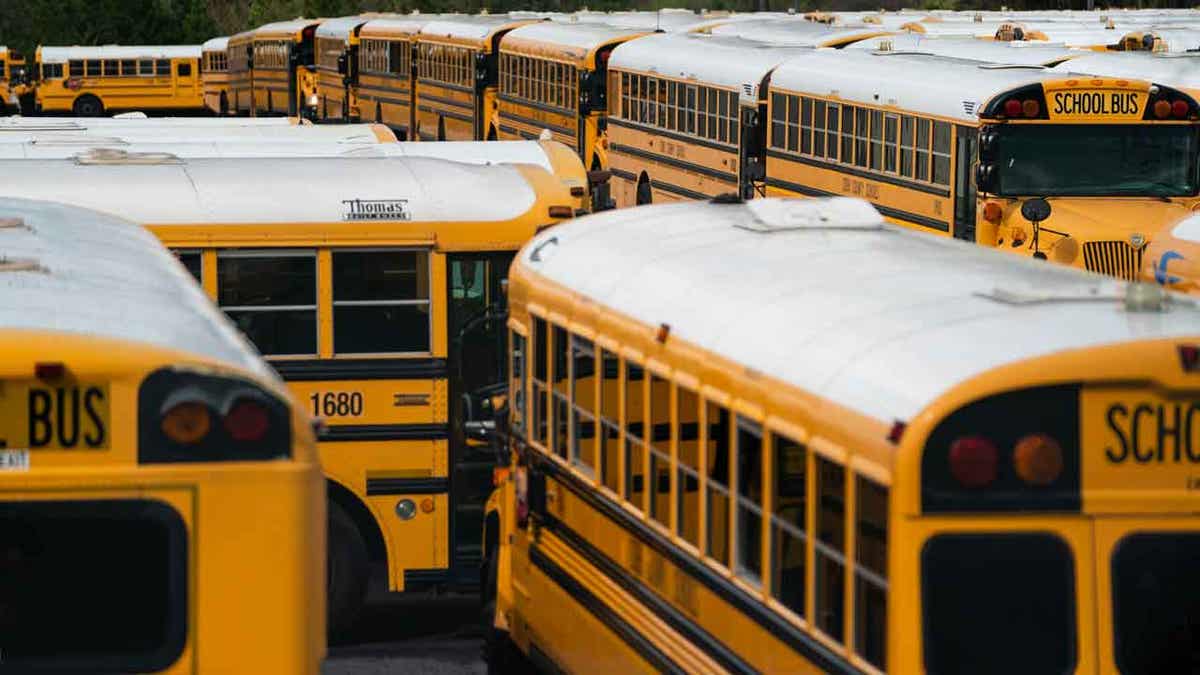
671 161
603 613
752 607
385 432
656 131
545 107
535 123
861 173
446 85
680 623
407 486
898 214
504 128
469 105
314 370
447 113
665 187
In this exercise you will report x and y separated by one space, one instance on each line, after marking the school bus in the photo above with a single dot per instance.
214 75
726 459
684 118
373 287
92 81
974 152
1181 71
554 76
1173 257
386 76
337 45
14 80
457 63
241 74
160 493
284 68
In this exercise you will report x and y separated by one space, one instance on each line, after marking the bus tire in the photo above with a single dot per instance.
346 569
644 194
499 652
87 106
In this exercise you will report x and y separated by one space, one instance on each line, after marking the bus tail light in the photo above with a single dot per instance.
1030 108
1012 108
1028 102
1012 451
1179 109
1038 459
1166 103
993 212
561 212
1162 109
189 416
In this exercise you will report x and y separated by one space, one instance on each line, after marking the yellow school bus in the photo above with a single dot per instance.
554 76
93 81
1107 162
373 286
338 44
160 496
214 75
1173 257
724 458
386 76
14 80
457 62
684 119
241 75
284 69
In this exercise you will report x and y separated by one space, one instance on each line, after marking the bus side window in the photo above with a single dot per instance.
540 362
610 419
517 383
870 578
381 302
192 262
560 391
272 297
830 547
749 499
93 68
583 403
658 437
635 378
182 69
789 539
718 482
687 412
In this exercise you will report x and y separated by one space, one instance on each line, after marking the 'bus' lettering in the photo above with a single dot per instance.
66 416
1174 426
40 429
91 399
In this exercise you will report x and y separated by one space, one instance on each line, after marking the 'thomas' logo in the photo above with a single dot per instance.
376 209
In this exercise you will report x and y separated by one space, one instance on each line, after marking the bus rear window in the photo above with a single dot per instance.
1156 603
998 603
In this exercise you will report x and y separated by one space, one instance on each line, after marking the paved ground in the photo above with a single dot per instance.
422 634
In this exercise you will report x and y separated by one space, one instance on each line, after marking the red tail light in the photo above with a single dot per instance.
1179 109
973 461
1012 107
1030 108
247 421
1038 459
1162 109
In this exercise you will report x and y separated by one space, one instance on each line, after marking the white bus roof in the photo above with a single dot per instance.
325 133
1173 70
283 28
469 27
126 120
96 275
796 32
916 316
217 44
64 54
392 25
1012 53
729 62
274 190
934 85
576 37
341 27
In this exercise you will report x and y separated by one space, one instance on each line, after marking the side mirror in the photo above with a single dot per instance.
341 65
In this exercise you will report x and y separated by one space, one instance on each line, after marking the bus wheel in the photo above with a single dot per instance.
88 106
499 652
644 195
346 570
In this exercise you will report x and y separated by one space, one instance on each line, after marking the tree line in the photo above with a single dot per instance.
27 23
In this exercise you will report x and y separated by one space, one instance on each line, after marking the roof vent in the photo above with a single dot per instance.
969 108
840 213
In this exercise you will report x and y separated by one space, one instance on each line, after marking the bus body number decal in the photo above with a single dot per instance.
336 404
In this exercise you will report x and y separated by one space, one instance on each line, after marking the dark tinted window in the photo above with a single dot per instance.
789 523
1002 603
190 260
272 297
183 69
380 302
93 68
1156 603
76 68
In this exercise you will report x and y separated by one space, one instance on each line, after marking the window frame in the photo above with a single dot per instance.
311 253
334 303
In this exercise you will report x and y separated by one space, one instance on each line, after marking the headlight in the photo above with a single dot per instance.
312 101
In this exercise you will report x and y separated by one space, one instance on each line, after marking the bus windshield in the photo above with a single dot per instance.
1127 160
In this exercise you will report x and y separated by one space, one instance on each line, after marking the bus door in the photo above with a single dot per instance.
185 77
476 317
292 80
966 154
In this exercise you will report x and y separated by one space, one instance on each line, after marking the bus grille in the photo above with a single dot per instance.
1114 258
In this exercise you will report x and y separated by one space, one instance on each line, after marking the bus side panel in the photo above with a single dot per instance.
518 121
677 169
387 100
445 113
